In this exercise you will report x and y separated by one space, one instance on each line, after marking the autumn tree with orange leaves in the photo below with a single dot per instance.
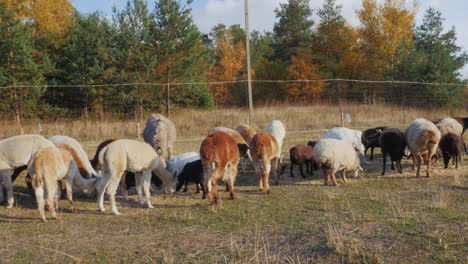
229 66
302 68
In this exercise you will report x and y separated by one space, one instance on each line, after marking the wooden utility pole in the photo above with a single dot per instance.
247 48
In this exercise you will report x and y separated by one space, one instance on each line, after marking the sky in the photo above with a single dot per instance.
207 13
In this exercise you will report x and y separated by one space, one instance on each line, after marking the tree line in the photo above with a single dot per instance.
47 42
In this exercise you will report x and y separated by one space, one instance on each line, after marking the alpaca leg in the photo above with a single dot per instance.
258 172
111 191
69 186
51 187
266 175
232 180
213 192
274 169
39 192
8 185
146 179
101 188
138 186
123 186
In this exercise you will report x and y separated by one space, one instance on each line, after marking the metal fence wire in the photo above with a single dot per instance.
135 100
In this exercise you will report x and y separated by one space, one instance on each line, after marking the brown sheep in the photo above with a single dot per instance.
300 155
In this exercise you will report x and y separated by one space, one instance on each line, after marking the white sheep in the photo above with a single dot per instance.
15 152
84 163
449 125
177 163
351 136
422 137
333 155
134 156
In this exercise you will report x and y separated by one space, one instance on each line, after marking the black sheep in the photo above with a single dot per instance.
192 172
130 180
370 139
392 141
451 147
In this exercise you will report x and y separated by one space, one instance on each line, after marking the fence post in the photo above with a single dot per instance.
339 103
403 101
168 101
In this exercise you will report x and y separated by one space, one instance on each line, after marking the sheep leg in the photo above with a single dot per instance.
300 169
198 188
399 167
333 177
324 173
418 162
429 157
186 183
365 151
372 153
344 177
146 188
203 187
384 159
414 161
292 174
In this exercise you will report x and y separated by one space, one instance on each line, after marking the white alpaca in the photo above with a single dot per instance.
134 156
84 163
15 152
276 129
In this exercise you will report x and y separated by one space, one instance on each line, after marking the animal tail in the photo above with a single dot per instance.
95 160
207 149
430 137
74 155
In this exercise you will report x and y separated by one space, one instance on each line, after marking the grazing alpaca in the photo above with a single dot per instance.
128 179
84 164
160 133
15 152
52 164
246 132
422 137
241 144
220 157
134 156
266 155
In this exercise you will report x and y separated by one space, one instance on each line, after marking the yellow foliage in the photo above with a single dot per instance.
48 16
385 28
229 67
302 68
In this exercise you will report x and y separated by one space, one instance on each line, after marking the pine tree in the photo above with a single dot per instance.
180 53
18 66
293 32
332 39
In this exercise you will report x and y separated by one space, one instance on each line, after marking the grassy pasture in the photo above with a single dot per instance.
392 219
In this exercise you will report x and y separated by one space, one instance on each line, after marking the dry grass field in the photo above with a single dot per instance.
392 219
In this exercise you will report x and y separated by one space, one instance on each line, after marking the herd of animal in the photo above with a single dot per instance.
126 163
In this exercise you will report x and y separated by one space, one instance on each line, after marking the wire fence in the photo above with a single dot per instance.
135 100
